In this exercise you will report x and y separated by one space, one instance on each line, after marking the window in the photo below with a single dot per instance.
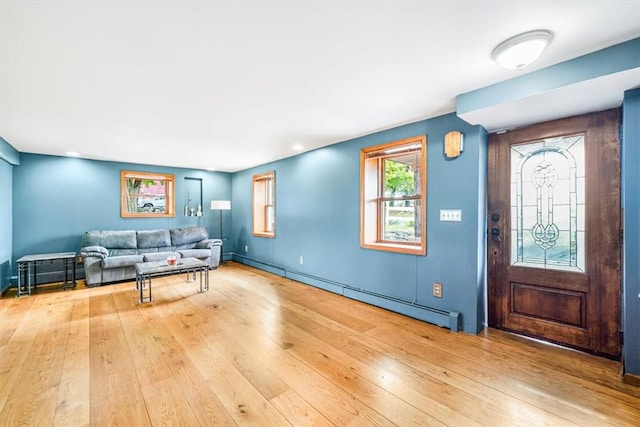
393 183
264 198
144 194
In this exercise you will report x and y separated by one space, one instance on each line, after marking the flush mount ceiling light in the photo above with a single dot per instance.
521 50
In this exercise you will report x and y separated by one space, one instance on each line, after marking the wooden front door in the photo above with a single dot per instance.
554 245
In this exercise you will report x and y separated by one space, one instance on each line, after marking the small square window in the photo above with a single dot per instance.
144 194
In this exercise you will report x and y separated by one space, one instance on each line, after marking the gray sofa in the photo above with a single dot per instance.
111 256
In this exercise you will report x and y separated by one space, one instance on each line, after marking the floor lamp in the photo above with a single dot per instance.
221 205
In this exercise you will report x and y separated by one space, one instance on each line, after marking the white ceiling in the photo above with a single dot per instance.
230 85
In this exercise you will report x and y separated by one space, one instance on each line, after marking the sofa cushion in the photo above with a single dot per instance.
121 261
153 239
121 252
159 256
185 236
91 238
195 253
119 239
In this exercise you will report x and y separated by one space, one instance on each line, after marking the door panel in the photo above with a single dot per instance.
554 231
551 304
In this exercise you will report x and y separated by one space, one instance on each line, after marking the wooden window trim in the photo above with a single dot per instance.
371 197
169 195
260 226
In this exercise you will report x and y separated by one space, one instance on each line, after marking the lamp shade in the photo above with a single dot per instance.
221 205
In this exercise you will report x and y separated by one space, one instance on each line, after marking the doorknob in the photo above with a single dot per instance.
495 217
495 233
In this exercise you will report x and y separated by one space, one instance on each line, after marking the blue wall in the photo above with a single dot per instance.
8 158
6 223
57 199
631 204
318 217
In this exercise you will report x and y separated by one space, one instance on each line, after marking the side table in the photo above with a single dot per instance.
27 269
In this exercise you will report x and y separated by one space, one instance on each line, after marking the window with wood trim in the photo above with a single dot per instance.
264 204
393 196
145 194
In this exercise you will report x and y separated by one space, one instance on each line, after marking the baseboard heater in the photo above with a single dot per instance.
444 318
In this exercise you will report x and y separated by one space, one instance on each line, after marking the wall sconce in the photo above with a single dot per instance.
453 144
521 50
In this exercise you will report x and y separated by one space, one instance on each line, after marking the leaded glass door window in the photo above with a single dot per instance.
548 204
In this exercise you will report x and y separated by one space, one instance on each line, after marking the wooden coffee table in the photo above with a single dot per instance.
191 266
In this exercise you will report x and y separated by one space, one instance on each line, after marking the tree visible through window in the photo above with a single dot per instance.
264 217
393 196
145 194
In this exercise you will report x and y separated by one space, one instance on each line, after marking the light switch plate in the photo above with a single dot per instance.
451 215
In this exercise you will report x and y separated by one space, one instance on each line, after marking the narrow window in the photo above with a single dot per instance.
264 199
393 183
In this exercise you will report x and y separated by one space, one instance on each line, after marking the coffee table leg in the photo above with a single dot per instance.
204 283
189 273
141 283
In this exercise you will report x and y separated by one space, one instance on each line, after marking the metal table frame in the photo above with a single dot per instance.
191 266
27 270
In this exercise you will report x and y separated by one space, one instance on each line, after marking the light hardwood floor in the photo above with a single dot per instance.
261 350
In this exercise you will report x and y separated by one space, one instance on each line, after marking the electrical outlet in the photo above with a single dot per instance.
301 260
437 290
246 248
